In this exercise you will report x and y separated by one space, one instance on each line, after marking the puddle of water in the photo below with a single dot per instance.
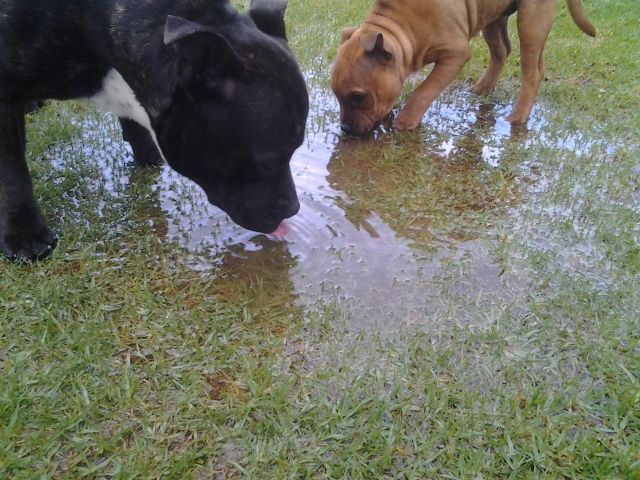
398 230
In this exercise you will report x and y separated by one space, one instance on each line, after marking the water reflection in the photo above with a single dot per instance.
398 260
397 229
384 231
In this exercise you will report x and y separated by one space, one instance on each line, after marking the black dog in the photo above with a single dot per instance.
215 93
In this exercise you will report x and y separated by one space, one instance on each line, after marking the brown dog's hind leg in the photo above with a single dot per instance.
497 38
535 18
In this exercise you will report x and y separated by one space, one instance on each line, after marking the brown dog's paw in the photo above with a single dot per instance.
482 88
515 118
406 121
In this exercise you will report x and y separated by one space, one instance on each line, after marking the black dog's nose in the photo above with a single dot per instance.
286 207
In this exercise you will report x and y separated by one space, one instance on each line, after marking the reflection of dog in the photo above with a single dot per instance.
216 93
401 36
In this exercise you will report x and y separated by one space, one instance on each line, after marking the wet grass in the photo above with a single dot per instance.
118 360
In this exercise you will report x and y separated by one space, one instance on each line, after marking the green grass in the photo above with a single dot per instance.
119 361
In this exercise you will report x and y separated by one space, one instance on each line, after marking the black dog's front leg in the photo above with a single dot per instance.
144 148
23 233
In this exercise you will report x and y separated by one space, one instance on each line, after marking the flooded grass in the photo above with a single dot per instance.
456 302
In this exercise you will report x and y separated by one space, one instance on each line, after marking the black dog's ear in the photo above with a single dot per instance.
176 28
203 54
268 15
373 44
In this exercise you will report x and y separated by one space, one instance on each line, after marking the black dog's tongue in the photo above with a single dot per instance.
281 231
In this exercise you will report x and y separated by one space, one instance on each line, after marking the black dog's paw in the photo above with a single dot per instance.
145 151
27 243
147 156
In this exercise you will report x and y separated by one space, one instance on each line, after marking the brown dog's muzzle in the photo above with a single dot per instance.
357 126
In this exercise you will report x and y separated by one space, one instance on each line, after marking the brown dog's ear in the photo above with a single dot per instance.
373 44
347 33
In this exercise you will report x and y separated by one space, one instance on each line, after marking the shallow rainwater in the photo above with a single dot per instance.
399 230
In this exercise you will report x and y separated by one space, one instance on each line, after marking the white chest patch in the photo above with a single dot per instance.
117 97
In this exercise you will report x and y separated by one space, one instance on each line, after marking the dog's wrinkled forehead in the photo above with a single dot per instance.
354 59
355 70
352 53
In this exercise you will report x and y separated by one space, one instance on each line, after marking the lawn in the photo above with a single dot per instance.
459 302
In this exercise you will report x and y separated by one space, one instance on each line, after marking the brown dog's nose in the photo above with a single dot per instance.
347 128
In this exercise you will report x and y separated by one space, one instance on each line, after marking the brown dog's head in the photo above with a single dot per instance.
367 79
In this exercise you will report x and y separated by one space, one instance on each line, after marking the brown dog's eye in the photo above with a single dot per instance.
357 99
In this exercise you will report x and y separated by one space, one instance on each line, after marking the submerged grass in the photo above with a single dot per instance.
119 361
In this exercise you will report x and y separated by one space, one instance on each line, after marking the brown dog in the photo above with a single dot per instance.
399 37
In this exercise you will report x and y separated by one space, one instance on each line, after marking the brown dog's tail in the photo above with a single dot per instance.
580 17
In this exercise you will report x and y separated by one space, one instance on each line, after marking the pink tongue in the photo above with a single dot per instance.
281 231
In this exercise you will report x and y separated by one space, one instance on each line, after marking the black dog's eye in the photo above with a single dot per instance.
357 99
219 90
206 88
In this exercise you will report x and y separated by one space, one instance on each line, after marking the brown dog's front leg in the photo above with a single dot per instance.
444 72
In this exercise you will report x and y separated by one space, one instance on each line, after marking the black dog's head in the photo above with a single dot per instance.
237 113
